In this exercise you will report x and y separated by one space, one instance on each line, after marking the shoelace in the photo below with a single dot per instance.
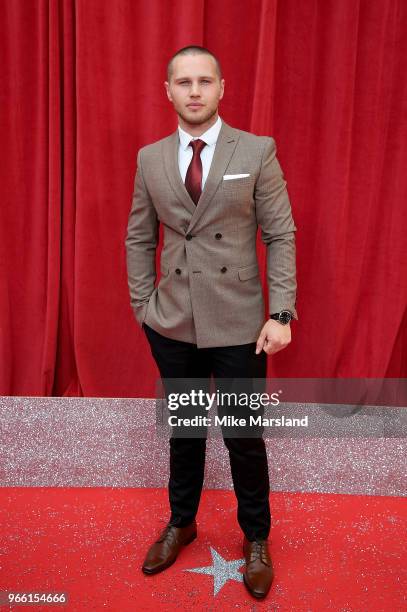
259 552
167 533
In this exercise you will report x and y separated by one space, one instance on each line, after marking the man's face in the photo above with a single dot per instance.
194 80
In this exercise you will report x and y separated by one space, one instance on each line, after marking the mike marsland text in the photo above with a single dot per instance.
232 421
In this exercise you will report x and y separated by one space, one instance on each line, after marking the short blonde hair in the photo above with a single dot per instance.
193 50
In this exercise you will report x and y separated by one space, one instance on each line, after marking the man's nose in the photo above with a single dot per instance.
195 89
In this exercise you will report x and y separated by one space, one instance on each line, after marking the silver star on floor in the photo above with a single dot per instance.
221 570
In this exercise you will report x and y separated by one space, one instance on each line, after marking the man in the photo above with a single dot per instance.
210 186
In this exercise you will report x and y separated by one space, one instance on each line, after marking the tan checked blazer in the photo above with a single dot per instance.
210 291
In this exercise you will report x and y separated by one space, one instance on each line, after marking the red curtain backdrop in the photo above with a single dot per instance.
82 90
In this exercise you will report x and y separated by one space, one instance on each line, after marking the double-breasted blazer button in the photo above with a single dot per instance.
188 236
177 271
218 236
223 269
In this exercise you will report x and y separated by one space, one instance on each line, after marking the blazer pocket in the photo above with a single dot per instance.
248 272
238 188
164 269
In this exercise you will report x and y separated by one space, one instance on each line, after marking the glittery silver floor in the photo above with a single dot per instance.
113 442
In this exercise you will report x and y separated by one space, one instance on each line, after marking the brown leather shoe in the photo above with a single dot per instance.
165 550
258 574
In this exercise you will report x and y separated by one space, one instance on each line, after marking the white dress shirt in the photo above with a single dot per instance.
185 151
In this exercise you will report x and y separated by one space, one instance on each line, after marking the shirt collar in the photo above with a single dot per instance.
210 136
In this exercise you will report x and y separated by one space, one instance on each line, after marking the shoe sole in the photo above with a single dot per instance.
166 565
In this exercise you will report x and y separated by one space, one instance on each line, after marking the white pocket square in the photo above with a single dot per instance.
227 177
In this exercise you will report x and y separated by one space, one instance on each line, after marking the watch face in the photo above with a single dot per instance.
285 317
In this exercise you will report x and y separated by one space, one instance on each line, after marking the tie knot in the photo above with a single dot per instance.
197 145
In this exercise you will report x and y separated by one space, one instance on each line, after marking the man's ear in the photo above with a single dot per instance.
223 88
167 89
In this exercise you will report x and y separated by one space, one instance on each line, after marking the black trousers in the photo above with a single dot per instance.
247 455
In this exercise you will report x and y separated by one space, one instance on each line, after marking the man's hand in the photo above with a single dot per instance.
273 337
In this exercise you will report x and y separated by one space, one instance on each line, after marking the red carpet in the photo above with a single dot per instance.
332 552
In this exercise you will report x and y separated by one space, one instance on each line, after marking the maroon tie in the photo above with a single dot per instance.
193 179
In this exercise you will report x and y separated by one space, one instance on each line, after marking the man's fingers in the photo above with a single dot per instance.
260 342
272 340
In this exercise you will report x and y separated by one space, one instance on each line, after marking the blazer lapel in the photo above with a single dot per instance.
225 146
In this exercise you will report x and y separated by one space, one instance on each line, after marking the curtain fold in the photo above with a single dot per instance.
82 89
